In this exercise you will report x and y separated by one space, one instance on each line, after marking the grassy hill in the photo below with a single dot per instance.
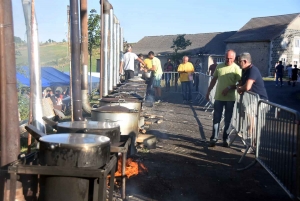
54 54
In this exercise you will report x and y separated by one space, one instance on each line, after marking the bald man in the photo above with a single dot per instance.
227 74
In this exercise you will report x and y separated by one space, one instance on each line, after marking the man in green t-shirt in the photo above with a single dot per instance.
227 74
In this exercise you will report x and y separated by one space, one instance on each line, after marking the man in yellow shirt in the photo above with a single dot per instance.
157 72
227 74
186 70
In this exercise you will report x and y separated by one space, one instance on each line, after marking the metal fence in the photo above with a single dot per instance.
170 82
272 132
278 145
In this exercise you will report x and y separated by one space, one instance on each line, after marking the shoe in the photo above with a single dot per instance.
225 144
250 151
212 144
158 101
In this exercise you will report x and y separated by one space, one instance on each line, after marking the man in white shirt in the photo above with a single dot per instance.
127 63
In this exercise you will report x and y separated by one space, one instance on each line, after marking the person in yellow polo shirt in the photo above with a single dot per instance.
186 70
149 81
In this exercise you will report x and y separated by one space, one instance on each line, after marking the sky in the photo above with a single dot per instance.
140 18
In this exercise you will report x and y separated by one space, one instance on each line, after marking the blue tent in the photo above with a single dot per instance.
49 77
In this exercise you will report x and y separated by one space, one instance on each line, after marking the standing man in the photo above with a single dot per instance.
212 68
127 63
251 81
227 74
168 68
186 70
157 74
279 73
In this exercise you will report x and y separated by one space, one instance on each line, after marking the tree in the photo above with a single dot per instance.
93 33
180 43
64 40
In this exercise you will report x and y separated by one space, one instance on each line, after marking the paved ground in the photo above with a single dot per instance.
183 167
286 95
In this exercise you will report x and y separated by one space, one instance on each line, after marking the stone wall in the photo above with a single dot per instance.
278 50
260 52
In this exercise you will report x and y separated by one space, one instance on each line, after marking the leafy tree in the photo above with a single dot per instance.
93 33
180 43
64 40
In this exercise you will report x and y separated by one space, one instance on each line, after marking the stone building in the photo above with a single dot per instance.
268 40
205 46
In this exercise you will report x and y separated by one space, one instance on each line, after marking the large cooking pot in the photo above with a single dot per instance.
130 103
108 129
136 94
134 84
126 118
128 88
74 150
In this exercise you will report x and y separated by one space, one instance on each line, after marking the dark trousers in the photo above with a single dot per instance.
218 110
279 76
186 90
150 93
129 74
196 81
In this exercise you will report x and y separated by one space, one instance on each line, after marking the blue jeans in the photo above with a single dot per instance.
279 76
218 110
186 90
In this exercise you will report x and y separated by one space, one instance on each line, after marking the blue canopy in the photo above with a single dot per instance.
49 77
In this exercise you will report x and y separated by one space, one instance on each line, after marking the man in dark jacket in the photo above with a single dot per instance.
279 69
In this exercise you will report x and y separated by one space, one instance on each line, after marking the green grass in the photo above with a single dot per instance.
272 78
55 55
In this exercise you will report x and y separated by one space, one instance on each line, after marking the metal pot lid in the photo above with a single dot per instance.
126 96
113 109
88 124
75 139
120 100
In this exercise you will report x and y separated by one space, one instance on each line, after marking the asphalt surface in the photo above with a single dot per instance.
183 167
287 95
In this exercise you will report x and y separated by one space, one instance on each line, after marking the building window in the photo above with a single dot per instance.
297 42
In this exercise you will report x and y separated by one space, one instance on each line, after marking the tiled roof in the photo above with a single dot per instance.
262 28
209 43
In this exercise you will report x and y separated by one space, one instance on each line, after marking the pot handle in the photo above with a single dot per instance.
34 132
121 100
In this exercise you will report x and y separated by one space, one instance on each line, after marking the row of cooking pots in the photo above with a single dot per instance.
78 146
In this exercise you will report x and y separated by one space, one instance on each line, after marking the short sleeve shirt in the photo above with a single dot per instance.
148 63
227 76
279 69
156 62
128 60
258 86
187 67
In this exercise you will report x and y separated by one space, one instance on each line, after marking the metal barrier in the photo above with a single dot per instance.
278 145
244 120
272 131
171 82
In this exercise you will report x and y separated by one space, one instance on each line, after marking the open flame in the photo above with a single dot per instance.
132 168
